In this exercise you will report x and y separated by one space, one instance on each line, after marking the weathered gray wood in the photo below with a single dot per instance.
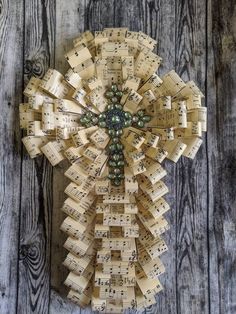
221 84
11 27
200 265
191 175
62 305
36 201
192 277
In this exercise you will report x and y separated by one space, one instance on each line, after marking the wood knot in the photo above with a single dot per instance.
34 67
24 249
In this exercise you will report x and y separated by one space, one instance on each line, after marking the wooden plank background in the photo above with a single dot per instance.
198 39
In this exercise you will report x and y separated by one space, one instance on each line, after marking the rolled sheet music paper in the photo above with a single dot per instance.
117 122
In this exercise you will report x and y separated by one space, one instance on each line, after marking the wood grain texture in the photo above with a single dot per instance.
36 201
221 146
11 28
191 175
197 38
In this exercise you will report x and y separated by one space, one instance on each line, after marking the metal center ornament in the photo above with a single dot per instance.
115 119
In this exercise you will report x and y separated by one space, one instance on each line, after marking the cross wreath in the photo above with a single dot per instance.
115 120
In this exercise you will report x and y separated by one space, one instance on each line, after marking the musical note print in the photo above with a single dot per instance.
116 121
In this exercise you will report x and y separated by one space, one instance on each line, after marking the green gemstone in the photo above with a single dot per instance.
127 123
111 176
119 132
109 94
116 182
120 163
118 106
116 157
115 119
121 176
140 124
95 120
140 113
112 163
128 115
117 171
119 94
135 119
112 147
111 132
146 118
102 116
114 100
89 115
82 120
110 107
115 140
114 87
102 124
119 146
